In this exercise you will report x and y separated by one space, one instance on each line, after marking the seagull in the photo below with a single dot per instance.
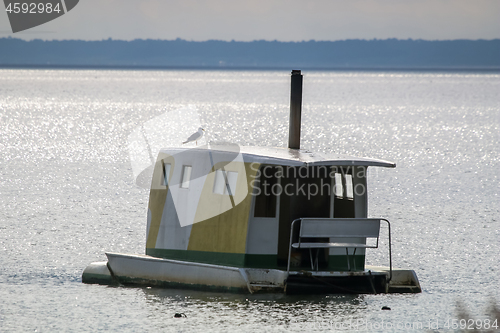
195 136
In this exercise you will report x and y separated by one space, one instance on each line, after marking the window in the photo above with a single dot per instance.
219 183
166 173
339 189
186 176
348 187
343 205
224 180
344 186
232 177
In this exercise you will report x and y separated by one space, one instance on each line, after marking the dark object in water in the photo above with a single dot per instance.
386 308
180 315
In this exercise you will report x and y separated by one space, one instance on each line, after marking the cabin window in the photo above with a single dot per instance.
166 173
219 182
348 187
343 186
225 180
266 193
186 176
232 177
339 189
344 194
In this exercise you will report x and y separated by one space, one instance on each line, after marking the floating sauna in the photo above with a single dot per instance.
260 219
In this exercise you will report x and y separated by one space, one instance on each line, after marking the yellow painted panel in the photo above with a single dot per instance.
158 197
225 232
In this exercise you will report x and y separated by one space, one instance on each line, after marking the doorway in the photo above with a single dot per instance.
306 193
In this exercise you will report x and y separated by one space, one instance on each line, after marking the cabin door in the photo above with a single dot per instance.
306 193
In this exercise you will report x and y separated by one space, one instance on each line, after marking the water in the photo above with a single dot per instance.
67 193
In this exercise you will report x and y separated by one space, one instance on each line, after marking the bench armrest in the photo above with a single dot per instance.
331 245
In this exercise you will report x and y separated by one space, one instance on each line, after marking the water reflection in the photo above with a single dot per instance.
250 309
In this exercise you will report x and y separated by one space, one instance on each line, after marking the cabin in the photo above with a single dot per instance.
221 206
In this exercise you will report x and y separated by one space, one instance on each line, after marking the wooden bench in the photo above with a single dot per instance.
365 229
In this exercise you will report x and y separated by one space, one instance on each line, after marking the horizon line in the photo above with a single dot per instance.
253 41
483 69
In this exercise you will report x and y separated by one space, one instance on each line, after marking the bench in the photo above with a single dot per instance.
366 228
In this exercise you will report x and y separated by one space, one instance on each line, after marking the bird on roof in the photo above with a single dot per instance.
195 136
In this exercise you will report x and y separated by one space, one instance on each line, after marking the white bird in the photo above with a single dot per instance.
195 136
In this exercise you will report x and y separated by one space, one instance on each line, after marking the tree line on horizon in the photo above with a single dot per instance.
345 54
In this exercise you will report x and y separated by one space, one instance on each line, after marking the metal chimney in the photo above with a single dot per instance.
295 110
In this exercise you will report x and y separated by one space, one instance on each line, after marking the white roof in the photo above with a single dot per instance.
285 156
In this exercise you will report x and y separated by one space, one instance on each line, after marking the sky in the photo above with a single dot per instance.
282 20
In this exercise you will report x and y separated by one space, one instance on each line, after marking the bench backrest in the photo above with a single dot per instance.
314 228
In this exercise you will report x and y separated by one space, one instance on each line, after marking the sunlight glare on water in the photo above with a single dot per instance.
67 191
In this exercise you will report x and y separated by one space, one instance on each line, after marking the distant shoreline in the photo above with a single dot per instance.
347 55
243 68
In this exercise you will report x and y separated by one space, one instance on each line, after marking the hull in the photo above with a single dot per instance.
151 271
147 270
365 282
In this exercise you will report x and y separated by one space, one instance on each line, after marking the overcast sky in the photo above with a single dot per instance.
292 20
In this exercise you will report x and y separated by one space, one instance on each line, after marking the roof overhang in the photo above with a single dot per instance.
283 156
294 157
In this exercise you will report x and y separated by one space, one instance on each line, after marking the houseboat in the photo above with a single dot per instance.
260 219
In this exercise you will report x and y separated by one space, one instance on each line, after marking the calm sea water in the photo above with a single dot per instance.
67 192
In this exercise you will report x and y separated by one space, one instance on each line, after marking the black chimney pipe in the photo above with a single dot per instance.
295 110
